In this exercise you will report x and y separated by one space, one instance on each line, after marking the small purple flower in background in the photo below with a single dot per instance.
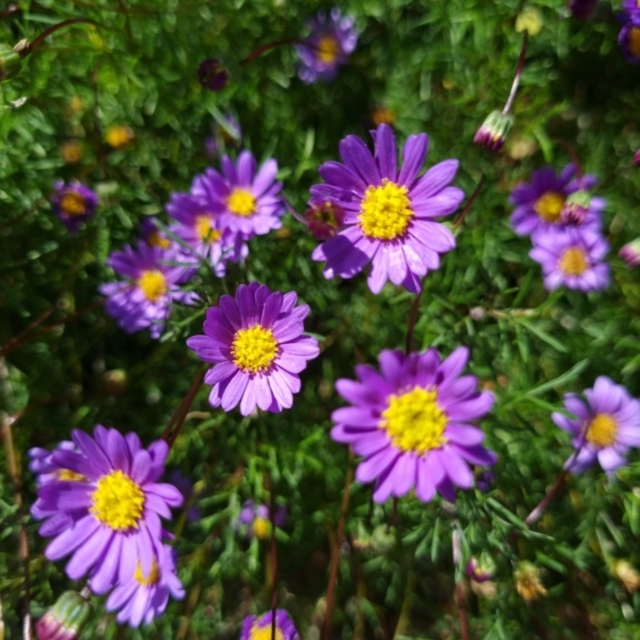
324 219
245 201
630 253
629 37
73 203
572 258
583 9
603 428
388 213
256 519
256 344
212 75
332 39
411 424
485 481
254 628
210 146
152 235
481 569
145 299
185 486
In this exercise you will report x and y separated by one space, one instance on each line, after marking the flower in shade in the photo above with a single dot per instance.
411 423
256 518
145 594
246 202
118 136
67 618
630 253
583 9
539 204
333 37
256 344
388 212
73 203
202 230
152 285
152 235
71 152
528 583
212 75
572 258
254 628
629 37
631 7
494 130
116 513
324 219
603 427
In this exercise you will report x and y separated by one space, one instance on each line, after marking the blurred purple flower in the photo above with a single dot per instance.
254 628
256 518
152 235
583 9
73 204
212 75
629 37
630 253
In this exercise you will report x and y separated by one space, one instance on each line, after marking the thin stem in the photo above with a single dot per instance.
460 599
274 557
15 341
266 47
519 68
463 214
413 316
12 8
574 159
52 29
180 414
294 213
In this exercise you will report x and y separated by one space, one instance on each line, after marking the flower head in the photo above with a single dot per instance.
256 344
256 519
145 298
629 37
411 423
494 130
115 514
245 202
212 75
481 569
388 212
630 7
630 253
333 37
118 136
604 426
572 258
73 203
71 152
324 219
152 235
66 619
254 628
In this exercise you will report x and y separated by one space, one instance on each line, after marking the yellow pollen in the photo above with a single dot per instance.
573 262
264 633
67 474
156 240
385 211
241 203
602 430
254 349
549 206
117 501
153 285
328 49
73 204
634 42
414 421
154 575
261 528
204 230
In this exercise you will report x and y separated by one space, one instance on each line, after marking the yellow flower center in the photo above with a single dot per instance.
254 349
602 430
156 240
154 575
385 211
67 474
73 204
573 262
117 501
634 42
549 206
241 203
261 528
204 230
264 633
153 285
414 421
117 136
328 49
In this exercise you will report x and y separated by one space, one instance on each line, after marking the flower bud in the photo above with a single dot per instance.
630 253
212 75
10 63
324 219
575 208
66 619
494 130
481 569
528 583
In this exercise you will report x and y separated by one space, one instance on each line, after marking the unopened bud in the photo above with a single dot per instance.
66 619
10 63
481 569
494 130
324 219
575 209
528 583
212 75
630 253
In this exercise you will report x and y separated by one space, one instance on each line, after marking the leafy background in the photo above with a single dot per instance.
440 66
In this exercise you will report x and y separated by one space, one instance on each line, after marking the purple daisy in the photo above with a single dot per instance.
254 628
388 213
255 341
73 203
572 258
603 428
539 204
630 7
144 595
411 424
203 232
116 513
245 201
255 518
629 37
332 39
152 285
152 235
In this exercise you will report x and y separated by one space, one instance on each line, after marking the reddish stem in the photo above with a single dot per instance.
274 558
14 343
180 414
463 214
516 80
266 47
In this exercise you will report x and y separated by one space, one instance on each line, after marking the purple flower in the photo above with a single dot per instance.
583 9
539 203
630 253
629 37
481 569
332 39
145 298
324 219
145 594
212 75
411 424
115 514
255 341
256 519
603 428
73 204
245 202
254 628
572 258
152 235
388 213
631 7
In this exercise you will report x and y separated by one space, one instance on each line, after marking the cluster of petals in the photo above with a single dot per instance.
603 428
411 424
388 211
255 341
260 628
629 37
256 521
102 504
73 203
